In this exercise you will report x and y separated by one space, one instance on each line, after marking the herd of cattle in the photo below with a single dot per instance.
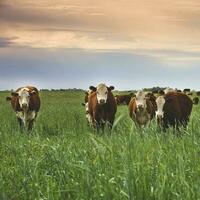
170 107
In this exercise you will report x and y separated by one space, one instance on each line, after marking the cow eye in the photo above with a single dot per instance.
106 93
97 92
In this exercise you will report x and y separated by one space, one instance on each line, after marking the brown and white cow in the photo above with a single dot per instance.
141 109
85 104
173 108
195 100
102 106
25 101
168 89
123 99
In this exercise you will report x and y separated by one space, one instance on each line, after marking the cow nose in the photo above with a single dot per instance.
24 105
140 107
102 101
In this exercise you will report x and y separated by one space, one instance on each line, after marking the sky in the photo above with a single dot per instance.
130 44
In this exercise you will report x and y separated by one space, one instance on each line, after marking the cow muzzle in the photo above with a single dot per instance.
140 107
102 101
24 106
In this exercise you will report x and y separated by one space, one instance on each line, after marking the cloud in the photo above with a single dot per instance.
6 42
168 32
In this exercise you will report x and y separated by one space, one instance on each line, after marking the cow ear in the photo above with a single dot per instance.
111 88
15 94
86 93
8 98
93 88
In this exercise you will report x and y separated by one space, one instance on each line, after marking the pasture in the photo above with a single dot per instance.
64 159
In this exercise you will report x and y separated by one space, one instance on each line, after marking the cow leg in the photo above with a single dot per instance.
148 123
30 125
20 122
110 124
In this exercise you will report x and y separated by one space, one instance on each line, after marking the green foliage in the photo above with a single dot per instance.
62 158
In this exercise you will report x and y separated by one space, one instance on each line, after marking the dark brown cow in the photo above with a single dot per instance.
161 92
195 100
198 93
25 101
102 106
141 109
186 90
173 108
123 99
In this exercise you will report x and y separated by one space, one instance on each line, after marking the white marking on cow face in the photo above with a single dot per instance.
102 93
24 98
160 102
140 100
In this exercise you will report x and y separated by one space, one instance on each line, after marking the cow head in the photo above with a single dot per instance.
160 102
102 92
24 97
140 100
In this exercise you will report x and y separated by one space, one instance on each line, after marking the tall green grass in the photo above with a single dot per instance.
62 158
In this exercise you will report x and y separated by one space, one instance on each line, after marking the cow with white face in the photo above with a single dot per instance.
160 101
168 89
102 106
25 102
24 97
173 109
85 104
140 100
101 92
141 109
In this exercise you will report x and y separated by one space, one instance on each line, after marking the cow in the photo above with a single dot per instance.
102 106
161 92
195 100
168 89
25 102
141 109
85 104
186 90
198 93
173 108
123 99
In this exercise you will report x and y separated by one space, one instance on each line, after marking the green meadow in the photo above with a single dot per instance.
63 158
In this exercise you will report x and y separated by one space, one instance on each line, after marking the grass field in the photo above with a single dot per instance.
64 159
